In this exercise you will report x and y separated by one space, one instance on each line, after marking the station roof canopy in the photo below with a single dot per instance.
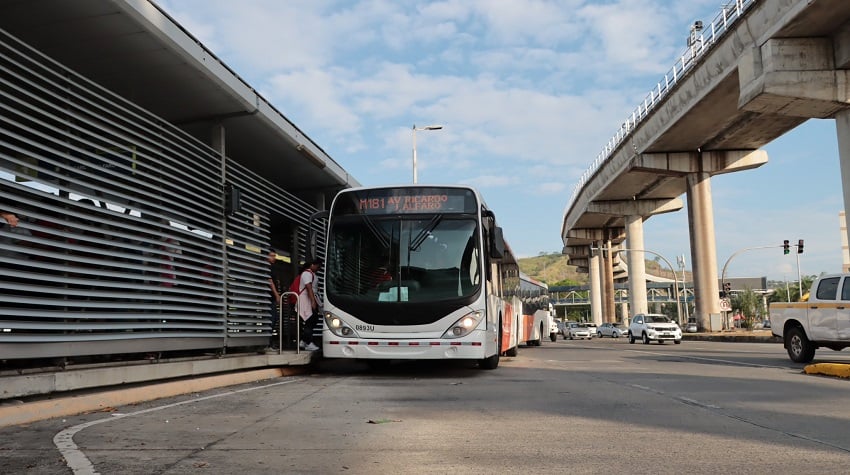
134 49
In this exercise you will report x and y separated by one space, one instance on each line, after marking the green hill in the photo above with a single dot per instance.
554 269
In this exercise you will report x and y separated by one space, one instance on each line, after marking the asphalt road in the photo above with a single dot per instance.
600 406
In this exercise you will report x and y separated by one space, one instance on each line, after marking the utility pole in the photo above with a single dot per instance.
681 262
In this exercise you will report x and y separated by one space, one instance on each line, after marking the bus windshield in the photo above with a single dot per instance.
403 259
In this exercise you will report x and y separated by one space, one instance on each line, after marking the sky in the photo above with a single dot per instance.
528 92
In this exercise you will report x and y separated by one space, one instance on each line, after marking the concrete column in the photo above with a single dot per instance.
624 311
842 126
608 284
637 264
703 251
595 286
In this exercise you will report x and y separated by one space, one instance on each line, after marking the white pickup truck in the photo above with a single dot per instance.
823 320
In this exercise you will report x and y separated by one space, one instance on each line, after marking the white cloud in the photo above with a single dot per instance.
315 92
551 188
490 181
528 91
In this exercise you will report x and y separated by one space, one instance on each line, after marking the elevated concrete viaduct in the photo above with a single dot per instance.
760 69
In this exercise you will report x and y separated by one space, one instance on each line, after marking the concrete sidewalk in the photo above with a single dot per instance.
746 336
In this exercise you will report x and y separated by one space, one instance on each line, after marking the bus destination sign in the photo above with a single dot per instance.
414 200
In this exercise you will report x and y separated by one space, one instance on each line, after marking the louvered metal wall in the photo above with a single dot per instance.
124 244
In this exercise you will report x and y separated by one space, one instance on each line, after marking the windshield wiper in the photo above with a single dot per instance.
378 232
426 231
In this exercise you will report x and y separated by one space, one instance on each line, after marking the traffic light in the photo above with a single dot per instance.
800 246
786 247
727 288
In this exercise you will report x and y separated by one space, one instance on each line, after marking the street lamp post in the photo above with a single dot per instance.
681 262
427 127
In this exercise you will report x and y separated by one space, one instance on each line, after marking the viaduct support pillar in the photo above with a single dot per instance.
842 126
595 287
637 264
703 251
608 284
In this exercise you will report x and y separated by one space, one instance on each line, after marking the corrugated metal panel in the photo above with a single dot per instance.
121 225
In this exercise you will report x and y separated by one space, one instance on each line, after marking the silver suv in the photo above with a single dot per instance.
654 327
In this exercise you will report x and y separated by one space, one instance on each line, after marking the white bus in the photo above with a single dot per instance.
536 320
418 272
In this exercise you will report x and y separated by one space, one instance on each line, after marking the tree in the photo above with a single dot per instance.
750 305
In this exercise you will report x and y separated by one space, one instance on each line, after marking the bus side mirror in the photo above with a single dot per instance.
312 235
497 243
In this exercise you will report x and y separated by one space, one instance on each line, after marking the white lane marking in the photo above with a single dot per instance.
81 465
689 401
694 402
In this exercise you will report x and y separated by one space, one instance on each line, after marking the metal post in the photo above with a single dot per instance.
799 279
787 290
427 127
684 288
414 154
297 323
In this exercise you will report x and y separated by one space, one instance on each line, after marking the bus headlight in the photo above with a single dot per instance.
463 326
337 326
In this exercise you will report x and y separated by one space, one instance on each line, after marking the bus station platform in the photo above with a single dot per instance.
26 398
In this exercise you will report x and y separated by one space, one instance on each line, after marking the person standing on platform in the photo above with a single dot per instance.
308 305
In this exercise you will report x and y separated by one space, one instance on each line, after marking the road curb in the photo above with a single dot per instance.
829 369
18 413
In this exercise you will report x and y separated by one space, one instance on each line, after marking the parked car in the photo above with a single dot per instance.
561 327
691 327
591 328
577 330
614 330
654 327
